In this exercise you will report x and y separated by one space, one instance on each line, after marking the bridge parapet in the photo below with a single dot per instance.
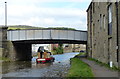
19 35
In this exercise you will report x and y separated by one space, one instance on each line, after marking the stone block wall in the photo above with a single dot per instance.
3 40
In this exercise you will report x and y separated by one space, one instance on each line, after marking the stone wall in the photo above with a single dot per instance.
3 41
74 48
68 48
0 42
1 49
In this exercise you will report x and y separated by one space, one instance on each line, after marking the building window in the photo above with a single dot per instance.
110 20
93 7
104 21
104 48
93 29
117 54
100 21
90 14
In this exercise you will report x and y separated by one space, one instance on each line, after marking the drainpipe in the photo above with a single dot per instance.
118 32
119 35
117 29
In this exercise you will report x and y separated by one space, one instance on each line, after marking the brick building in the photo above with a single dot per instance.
103 22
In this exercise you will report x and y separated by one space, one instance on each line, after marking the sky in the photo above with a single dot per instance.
46 13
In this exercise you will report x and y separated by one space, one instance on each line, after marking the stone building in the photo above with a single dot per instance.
103 21
74 47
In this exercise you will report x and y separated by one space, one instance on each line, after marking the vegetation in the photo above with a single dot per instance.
81 54
79 69
104 64
35 55
58 50
4 59
61 28
21 27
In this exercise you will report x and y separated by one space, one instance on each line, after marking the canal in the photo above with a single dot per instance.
58 68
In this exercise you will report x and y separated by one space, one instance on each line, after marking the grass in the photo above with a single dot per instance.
15 28
4 59
81 54
21 27
104 64
79 69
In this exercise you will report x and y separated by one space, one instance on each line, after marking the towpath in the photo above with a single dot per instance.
101 71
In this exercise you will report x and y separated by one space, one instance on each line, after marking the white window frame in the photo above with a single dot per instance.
110 19
110 13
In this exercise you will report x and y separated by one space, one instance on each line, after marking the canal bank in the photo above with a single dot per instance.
79 69
84 67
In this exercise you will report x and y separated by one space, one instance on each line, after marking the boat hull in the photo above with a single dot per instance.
45 60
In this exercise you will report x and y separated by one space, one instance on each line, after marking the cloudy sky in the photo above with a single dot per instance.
46 13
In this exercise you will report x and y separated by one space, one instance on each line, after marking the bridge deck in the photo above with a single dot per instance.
50 34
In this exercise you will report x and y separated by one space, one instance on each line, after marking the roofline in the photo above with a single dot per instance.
89 6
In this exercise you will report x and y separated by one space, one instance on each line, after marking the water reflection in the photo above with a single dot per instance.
15 66
42 65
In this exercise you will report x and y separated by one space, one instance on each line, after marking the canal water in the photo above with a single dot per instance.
58 68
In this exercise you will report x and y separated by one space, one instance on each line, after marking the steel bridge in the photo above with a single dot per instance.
47 36
20 41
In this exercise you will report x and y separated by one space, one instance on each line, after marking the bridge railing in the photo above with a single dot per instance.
18 35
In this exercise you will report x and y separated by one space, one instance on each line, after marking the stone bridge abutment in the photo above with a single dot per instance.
19 51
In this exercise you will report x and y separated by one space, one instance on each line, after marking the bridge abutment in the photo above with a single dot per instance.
19 51
3 41
13 51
